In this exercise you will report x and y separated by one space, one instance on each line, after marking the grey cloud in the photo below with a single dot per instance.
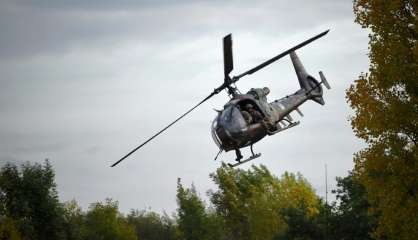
45 27
103 5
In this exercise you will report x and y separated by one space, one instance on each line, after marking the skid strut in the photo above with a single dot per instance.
244 161
254 156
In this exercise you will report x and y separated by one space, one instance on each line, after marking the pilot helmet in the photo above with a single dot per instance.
248 106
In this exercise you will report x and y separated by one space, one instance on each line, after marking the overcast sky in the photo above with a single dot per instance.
84 82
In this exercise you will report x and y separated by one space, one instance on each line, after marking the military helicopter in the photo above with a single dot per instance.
248 118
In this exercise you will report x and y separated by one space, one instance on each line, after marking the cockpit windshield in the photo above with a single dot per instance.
215 137
231 122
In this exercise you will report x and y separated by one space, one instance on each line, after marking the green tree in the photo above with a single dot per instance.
73 220
251 202
104 222
350 219
8 229
385 102
152 226
28 195
302 225
346 218
215 225
192 218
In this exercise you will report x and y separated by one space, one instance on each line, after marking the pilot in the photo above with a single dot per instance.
247 117
255 114
258 118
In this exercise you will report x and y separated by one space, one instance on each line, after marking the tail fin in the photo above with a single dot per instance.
308 83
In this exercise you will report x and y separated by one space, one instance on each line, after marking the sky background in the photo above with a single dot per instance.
84 82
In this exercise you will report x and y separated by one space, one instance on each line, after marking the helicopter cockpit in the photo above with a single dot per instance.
228 126
231 129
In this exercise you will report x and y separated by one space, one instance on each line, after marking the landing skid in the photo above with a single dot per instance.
244 161
279 129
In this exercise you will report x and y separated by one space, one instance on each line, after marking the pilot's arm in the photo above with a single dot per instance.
256 115
247 117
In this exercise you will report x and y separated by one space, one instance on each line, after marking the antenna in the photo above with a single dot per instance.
326 202
326 185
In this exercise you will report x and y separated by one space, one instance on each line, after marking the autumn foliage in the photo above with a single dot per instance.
385 101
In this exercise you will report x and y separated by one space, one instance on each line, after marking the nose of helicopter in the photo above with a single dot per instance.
228 127
215 137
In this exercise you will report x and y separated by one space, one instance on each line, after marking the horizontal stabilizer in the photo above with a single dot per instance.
324 80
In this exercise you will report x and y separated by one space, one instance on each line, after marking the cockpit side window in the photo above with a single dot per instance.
242 104
250 111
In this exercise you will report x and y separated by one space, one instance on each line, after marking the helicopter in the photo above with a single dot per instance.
247 118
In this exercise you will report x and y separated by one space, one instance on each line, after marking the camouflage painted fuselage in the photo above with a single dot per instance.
231 131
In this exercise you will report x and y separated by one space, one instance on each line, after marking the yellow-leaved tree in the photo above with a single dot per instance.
385 102
252 202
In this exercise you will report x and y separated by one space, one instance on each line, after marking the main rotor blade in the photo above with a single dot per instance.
162 130
228 60
255 69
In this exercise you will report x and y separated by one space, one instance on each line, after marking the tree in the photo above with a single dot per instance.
152 226
28 196
8 229
301 225
215 225
73 220
251 202
385 102
104 222
350 219
346 218
192 218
